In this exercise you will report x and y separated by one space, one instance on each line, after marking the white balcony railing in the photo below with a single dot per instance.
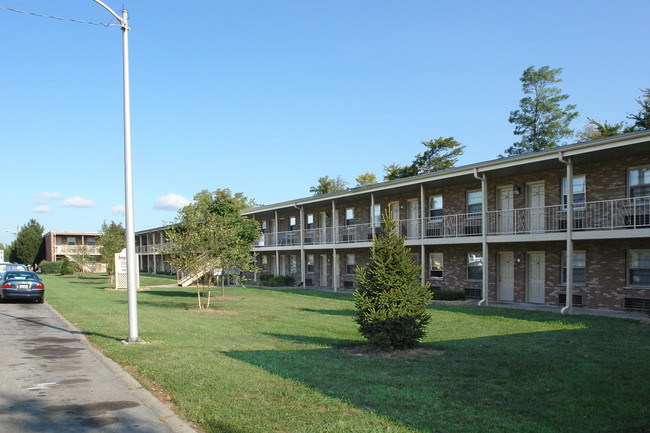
74 249
597 215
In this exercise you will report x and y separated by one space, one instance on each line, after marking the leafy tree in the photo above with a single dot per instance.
28 246
110 242
67 267
642 118
366 179
541 121
594 130
210 233
390 301
327 185
82 258
440 154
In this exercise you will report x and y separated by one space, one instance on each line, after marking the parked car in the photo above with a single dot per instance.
21 285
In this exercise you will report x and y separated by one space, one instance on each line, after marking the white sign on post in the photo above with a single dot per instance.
121 270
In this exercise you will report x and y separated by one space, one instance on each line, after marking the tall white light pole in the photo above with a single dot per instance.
131 285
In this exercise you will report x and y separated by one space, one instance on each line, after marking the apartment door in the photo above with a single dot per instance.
535 203
506 277
506 214
536 283
283 265
322 228
323 270
412 215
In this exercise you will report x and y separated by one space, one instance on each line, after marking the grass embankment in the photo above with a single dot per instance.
271 361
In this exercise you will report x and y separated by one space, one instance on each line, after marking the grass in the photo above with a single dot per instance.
272 362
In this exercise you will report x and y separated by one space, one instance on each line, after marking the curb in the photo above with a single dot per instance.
170 419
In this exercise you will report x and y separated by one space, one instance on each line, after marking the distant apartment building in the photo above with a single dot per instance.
499 230
150 245
60 245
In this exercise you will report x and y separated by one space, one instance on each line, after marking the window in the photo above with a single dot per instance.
90 241
350 264
475 266
474 202
293 266
265 263
292 223
310 221
579 272
435 265
72 240
639 182
377 215
639 267
349 217
263 226
579 188
310 263
435 206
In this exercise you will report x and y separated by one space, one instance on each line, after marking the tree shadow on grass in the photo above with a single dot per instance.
311 292
511 313
173 293
548 381
330 312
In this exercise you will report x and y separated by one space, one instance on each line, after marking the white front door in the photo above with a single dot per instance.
412 216
536 277
507 276
506 215
323 270
535 202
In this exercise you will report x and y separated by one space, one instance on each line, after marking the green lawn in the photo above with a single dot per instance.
271 361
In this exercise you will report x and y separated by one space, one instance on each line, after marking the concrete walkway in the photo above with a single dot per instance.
53 380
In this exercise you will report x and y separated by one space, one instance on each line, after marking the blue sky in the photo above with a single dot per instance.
265 97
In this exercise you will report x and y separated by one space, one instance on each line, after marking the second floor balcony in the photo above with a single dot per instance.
75 249
605 215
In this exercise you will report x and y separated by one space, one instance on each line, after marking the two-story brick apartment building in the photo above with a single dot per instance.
500 228
59 245
150 245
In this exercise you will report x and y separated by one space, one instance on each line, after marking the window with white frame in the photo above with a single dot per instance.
638 267
265 263
475 266
435 265
310 263
292 223
474 202
90 241
72 240
350 264
435 206
310 221
639 181
579 192
377 215
263 226
579 267
349 216
293 264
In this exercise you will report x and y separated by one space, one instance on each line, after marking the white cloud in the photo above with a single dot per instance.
171 202
118 210
45 196
77 201
42 209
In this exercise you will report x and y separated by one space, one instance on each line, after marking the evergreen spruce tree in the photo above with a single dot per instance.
390 301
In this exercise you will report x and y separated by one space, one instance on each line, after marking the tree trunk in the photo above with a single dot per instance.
209 290
223 289
198 293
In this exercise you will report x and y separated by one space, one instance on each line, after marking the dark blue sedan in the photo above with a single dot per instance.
22 285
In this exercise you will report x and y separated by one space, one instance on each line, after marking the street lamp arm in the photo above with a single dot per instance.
117 17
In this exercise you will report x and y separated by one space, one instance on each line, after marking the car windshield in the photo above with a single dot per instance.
24 276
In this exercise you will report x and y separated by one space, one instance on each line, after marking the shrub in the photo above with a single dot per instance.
447 295
279 281
50 267
390 301
67 267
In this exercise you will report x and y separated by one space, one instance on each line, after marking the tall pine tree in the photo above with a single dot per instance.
390 301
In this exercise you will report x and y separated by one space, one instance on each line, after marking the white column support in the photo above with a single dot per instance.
422 262
568 308
422 207
303 268
372 213
335 237
484 204
277 252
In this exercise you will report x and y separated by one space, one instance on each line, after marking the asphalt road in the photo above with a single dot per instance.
52 380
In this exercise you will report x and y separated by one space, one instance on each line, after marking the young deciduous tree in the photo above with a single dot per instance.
28 243
366 179
82 258
390 300
110 242
327 185
541 120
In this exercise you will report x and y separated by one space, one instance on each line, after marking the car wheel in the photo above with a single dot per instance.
40 300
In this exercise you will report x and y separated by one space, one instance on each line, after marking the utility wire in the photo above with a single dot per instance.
59 18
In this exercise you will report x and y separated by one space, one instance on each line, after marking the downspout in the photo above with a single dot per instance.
483 179
569 234
302 243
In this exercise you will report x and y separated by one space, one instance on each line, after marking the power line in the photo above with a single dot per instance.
59 18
